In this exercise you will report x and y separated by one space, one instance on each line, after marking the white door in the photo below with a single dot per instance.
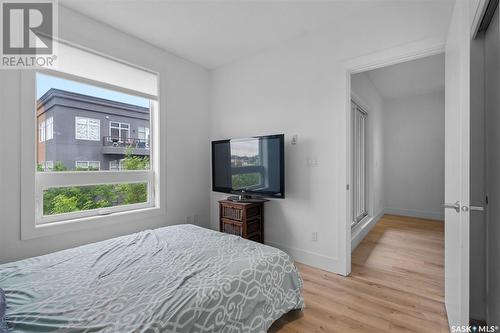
457 137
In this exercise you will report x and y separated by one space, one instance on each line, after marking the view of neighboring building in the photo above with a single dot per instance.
81 132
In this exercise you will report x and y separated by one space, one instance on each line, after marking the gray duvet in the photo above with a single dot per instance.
175 279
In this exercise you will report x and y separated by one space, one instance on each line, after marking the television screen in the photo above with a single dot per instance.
253 166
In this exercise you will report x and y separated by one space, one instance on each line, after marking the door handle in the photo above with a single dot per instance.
455 206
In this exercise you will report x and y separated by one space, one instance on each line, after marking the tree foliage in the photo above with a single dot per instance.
60 200
245 180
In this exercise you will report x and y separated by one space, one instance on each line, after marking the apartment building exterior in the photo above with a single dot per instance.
81 132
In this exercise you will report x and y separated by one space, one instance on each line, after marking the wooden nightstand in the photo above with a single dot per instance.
245 219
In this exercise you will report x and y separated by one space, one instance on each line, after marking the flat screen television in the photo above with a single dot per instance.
250 167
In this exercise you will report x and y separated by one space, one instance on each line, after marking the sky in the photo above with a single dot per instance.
246 147
44 82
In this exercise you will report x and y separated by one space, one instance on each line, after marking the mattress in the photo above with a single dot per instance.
181 278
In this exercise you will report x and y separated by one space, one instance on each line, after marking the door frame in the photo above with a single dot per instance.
396 55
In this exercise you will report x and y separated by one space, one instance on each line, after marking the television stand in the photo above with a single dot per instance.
244 219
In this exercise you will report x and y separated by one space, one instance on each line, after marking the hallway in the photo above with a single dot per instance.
396 284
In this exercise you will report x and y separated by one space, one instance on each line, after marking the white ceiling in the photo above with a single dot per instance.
410 78
214 33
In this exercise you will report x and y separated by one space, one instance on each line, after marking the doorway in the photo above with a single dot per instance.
401 237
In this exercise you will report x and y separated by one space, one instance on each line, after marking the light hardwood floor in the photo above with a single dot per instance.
396 284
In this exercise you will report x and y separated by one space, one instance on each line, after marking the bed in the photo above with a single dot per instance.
180 278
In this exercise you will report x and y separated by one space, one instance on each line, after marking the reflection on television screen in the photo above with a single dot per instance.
254 165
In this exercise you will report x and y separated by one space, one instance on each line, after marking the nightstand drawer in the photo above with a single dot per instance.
232 227
231 212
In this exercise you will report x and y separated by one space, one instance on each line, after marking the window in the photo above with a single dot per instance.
359 192
80 194
88 165
72 195
247 164
87 129
41 131
46 130
143 133
49 128
86 190
68 199
116 165
45 166
119 130
63 201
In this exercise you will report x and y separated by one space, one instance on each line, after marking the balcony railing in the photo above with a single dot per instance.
113 141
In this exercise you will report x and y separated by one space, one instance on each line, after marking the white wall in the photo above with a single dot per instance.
414 156
373 103
365 93
184 92
299 87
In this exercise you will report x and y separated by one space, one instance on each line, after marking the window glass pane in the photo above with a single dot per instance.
359 207
113 165
246 180
60 200
245 153
124 133
41 132
143 133
49 130
94 165
81 131
92 129
82 165
93 132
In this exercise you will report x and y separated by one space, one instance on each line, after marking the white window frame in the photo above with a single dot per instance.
120 164
45 128
359 164
119 128
143 130
47 165
96 162
87 163
49 128
33 183
41 131
87 120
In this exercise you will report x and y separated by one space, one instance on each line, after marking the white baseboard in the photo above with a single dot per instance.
415 213
309 258
363 228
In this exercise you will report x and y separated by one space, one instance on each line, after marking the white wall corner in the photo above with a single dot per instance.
317 260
